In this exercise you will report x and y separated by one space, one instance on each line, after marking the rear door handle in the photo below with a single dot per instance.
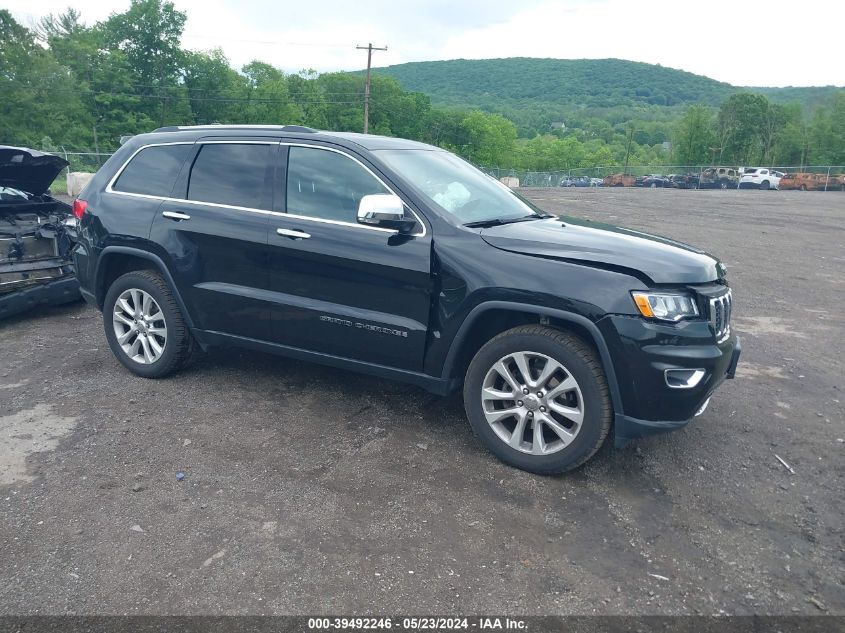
293 234
175 215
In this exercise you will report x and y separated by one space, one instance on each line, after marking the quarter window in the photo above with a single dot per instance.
325 184
231 173
153 170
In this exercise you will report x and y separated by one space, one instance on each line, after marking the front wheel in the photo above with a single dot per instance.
538 399
764 185
144 326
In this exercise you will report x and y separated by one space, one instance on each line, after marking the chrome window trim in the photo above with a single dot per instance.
110 188
369 171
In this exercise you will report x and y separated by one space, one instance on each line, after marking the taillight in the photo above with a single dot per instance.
79 208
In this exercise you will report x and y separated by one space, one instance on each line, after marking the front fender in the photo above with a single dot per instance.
542 311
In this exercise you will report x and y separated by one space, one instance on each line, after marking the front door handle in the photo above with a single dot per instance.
175 215
293 234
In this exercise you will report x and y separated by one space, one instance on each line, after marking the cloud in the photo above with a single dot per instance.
748 44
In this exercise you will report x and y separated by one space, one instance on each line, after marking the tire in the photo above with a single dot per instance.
764 185
590 398
723 184
803 187
176 344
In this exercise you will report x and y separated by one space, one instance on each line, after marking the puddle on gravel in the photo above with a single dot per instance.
26 432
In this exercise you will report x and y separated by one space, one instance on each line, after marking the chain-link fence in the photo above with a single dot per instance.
807 177
84 161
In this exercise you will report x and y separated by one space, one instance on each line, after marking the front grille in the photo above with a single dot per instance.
720 316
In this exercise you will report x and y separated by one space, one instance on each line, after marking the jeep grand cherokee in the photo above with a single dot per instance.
400 260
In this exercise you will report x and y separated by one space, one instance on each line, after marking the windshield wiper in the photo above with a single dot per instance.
481 224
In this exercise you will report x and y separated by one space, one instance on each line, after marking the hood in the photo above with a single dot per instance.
28 170
661 259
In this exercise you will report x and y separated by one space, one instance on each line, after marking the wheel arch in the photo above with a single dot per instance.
115 261
490 318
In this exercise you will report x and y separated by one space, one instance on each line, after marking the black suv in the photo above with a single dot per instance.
401 260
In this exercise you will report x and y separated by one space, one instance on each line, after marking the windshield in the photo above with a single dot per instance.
456 186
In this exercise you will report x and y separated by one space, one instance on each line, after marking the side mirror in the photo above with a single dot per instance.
385 211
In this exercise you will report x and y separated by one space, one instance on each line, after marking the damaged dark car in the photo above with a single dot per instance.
37 233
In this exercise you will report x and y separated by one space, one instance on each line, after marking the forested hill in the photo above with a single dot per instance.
501 85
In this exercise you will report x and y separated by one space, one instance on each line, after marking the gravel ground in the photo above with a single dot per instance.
310 490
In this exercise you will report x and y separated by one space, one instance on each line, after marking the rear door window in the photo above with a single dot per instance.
153 170
234 174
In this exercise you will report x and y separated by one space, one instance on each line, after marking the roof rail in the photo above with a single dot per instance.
219 126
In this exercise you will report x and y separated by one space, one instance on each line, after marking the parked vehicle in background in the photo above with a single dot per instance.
581 181
759 178
804 181
684 181
719 178
36 233
400 260
619 180
597 182
656 181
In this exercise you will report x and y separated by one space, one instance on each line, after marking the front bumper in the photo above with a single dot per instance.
643 351
63 290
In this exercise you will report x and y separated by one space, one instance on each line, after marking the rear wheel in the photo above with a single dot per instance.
723 184
144 326
538 399
764 185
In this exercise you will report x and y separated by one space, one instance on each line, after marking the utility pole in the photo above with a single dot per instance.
628 149
369 48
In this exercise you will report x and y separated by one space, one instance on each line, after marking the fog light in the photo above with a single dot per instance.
683 378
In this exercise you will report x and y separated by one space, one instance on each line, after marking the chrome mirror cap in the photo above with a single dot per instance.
385 211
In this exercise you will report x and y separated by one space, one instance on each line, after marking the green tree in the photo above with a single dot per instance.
269 101
39 97
741 117
491 139
693 136
214 88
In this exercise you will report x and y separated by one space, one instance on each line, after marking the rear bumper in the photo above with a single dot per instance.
56 292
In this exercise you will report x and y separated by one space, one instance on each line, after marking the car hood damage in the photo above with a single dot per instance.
662 260
28 170
37 233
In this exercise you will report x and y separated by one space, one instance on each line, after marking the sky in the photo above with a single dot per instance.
742 42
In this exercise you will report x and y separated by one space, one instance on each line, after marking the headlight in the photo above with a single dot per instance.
665 306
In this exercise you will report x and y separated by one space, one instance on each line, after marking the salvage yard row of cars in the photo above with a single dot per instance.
722 178
37 233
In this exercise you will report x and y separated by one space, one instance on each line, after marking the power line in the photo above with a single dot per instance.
273 42
315 93
169 97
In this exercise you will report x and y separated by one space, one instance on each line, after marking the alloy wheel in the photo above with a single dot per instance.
139 326
532 403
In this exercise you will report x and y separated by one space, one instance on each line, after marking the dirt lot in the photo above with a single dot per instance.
311 490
